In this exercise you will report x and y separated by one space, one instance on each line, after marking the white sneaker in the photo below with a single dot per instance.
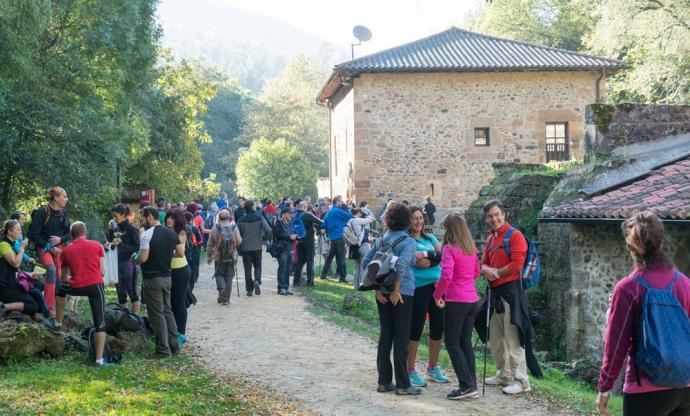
517 387
497 380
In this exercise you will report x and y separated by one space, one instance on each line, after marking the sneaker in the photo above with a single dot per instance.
497 380
310 284
289 292
3 309
282 292
436 375
257 288
158 356
459 394
385 388
415 379
52 325
410 391
516 387
297 283
105 363
225 303
342 280
181 339
250 293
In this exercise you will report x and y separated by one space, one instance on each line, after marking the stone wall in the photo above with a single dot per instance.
414 133
598 260
342 150
612 126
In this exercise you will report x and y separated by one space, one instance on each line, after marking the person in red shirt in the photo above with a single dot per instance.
82 274
509 321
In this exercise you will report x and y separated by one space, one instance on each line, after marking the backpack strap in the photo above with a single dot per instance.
506 240
675 277
642 282
399 239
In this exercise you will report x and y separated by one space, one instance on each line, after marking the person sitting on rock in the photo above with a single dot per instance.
11 297
83 268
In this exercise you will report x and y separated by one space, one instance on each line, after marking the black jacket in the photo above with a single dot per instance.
46 222
129 235
311 223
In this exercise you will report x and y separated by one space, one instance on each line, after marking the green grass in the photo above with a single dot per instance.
137 386
326 299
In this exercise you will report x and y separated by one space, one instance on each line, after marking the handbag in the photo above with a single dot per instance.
24 281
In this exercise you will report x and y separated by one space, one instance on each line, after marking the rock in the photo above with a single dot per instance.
55 342
73 322
18 317
19 340
352 301
126 341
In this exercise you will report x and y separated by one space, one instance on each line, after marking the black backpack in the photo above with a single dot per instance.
118 318
89 334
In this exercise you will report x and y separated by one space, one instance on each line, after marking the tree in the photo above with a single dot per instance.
557 23
287 109
273 169
653 37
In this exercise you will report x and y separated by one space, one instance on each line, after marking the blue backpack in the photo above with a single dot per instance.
298 225
531 269
663 343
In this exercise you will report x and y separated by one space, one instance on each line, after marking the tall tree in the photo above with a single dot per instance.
653 37
287 110
274 168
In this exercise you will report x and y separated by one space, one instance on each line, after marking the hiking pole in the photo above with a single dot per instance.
237 279
486 336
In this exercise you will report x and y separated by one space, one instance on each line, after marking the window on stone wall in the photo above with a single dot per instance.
481 136
556 141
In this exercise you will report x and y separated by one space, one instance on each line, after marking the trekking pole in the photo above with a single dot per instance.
486 337
319 251
237 279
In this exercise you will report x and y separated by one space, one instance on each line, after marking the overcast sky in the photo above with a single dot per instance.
392 22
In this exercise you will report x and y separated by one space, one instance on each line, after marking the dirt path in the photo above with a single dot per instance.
321 367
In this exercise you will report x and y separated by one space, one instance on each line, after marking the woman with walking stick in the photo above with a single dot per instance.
457 294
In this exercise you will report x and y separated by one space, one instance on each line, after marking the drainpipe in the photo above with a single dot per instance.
330 148
597 87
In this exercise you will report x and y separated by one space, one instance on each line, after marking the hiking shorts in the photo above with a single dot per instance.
96 295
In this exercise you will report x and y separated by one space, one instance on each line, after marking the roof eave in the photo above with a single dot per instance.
609 70
573 220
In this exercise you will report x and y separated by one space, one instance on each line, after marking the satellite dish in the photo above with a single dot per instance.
361 33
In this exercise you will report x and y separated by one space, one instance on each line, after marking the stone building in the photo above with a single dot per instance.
646 165
430 117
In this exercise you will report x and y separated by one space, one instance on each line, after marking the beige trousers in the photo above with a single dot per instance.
508 355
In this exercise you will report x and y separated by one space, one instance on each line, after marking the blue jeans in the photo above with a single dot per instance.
284 269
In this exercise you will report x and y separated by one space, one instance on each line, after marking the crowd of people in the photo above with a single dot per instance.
435 282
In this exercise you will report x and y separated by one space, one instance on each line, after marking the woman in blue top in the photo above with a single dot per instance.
427 272
395 306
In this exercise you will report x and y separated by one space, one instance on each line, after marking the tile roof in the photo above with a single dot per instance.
456 50
665 190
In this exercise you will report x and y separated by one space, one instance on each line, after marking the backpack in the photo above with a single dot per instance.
531 269
662 350
89 334
298 225
351 237
226 245
210 221
119 318
381 270
48 211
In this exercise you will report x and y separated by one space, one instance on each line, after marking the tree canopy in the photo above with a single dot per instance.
272 168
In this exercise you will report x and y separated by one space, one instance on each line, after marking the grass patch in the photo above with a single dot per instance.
326 300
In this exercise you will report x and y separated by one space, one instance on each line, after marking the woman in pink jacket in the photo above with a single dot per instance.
644 238
456 292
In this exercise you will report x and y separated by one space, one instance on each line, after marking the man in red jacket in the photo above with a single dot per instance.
507 324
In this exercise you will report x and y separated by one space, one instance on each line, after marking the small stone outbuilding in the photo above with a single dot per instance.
430 117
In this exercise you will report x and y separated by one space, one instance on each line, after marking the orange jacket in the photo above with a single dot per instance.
495 254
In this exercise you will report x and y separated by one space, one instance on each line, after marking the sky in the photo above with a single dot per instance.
392 22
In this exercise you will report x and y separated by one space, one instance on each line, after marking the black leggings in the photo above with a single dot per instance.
178 294
395 334
673 402
458 329
13 294
423 303
96 294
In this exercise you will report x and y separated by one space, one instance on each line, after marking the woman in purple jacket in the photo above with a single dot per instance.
459 269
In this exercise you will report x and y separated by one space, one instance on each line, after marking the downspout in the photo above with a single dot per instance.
597 87
330 148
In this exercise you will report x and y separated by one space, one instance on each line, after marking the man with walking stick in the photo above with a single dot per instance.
222 248
508 326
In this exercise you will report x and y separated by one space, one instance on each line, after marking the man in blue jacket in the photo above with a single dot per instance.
333 224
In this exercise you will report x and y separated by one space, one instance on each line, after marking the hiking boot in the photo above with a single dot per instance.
3 309
342 280
517 386
158 356
289 292
416 379
410 391
436 375
282 292
310 283
297 283
250 293
385 388
225 303
459 394
52 325
497 380
257 288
